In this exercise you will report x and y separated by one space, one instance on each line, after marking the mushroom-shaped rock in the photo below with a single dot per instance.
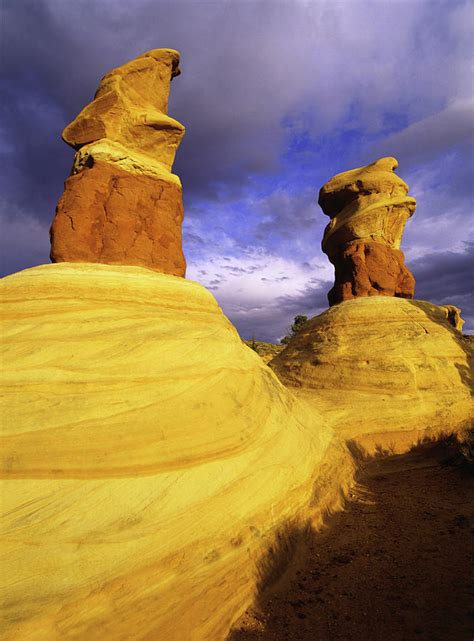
368 208
122 204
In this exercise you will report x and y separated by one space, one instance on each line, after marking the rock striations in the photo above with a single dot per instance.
122 204
149 459
382 366
368 208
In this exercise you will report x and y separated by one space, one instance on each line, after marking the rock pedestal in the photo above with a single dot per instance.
122 205
368 208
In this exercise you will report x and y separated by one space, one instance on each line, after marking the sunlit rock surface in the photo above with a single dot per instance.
453 314
368 208
122 204
382 365
149 458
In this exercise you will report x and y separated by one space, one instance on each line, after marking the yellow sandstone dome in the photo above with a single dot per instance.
149 458
382 366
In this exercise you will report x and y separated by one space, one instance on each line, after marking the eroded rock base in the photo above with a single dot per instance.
108 215
370 269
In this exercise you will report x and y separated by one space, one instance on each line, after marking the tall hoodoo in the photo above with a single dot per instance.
368 208
122 204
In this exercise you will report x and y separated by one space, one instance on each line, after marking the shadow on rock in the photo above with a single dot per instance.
434 314
394 564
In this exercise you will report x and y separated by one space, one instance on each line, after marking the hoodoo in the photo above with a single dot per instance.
122 205
383 365
368 208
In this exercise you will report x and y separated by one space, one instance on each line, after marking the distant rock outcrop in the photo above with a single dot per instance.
122 204
368 208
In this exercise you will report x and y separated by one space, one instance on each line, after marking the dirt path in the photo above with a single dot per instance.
395 565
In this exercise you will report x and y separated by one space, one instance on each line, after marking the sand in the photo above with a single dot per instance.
394 565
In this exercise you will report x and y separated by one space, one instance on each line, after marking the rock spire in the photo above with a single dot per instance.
368 208
122 204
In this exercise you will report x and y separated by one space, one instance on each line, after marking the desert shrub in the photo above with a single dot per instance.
296 326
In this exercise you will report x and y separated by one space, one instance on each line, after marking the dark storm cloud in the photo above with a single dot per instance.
30 246
245 69
421 142
446 278
311 300
283 213
55 52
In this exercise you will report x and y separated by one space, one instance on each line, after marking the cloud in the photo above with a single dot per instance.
444 201
446 278
246 70
437 134
282 213
261 292
24 242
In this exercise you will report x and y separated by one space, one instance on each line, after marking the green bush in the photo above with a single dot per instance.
298 323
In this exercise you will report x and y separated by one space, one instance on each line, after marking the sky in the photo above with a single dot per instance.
276 96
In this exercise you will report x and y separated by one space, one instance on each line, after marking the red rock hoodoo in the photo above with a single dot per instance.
122 205
368 208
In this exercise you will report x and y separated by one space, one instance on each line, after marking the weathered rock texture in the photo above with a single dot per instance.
368 208
152 466
382 365
122 204
453 314
149 459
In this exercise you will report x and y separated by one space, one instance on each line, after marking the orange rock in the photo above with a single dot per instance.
107 215
370 269
122 204
368 207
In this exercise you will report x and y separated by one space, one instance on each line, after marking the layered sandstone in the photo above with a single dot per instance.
382 367
122 204
368 208
149 459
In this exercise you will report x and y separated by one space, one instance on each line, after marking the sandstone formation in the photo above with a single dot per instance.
382 366
453 314
122 204
153 466
149 459
368 208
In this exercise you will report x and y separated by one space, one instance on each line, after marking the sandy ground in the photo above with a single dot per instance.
395 565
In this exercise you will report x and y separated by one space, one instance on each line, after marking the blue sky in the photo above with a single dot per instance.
276 98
